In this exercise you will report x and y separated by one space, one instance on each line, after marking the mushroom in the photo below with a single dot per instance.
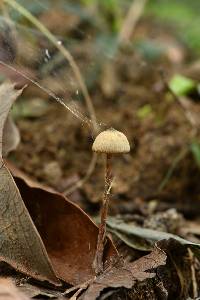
109 142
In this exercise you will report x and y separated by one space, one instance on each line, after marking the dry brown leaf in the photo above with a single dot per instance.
9 292
11 136
126 274
69 235
8 95
20 243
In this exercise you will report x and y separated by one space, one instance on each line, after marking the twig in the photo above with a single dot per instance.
82 181
74 297
179 274
193 275
82 286
176 161
135 11
65 53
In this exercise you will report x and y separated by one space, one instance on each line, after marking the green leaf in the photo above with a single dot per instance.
144 111
195 149
182 85
173 166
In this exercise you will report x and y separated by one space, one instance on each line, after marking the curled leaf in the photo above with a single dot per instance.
8 95
69 235
11 136
20 243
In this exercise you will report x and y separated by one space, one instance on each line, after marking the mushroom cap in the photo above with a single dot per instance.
111 141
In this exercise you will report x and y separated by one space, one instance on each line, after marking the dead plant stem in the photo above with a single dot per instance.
193 275
82 286
82 181
134 13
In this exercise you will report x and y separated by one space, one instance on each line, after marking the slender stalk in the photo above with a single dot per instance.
82 181
98 260
135 11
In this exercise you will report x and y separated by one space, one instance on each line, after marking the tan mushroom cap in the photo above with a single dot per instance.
111 141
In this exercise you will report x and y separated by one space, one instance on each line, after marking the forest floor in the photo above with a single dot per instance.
156 185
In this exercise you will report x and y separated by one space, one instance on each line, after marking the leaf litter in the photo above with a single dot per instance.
35 219
124 274
71 253
62 235
145 139
68 233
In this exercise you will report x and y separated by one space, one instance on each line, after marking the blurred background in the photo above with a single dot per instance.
139 62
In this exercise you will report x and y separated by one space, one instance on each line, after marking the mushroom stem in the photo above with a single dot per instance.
98 260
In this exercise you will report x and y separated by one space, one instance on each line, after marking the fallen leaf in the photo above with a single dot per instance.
8 95
182 85
143 238
124 274
177 269
11 136
195 149
69 235
8 291
19 239
132 240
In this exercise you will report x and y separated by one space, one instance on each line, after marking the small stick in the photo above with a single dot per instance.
81 286
193 275
81 182
135 11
